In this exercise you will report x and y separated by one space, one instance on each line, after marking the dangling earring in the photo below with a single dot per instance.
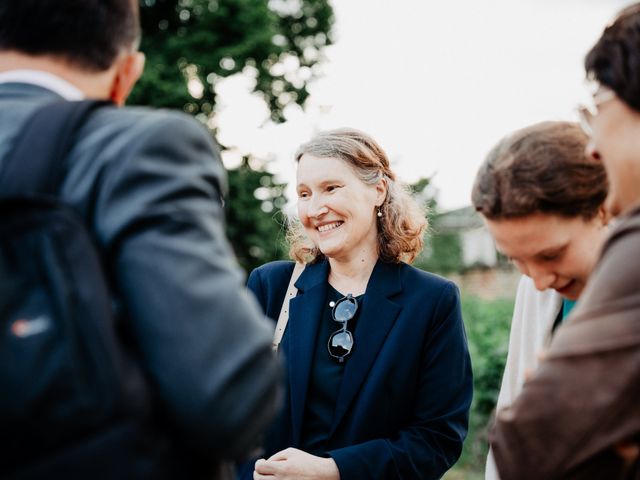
379 213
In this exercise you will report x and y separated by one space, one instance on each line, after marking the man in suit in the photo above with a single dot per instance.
148 185
578 417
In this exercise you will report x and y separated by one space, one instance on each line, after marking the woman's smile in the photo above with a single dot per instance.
326 227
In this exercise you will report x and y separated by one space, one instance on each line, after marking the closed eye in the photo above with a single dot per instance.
552 255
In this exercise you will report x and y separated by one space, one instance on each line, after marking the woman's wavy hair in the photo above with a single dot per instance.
403 222
540 169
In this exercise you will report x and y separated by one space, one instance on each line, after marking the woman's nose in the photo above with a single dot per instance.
317 207
542 278
591 150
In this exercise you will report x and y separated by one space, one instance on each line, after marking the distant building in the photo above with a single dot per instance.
477 246
482 271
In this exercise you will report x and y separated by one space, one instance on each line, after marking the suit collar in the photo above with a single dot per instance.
17 90
385 278
45 80
376 319
305 313
378 316
313 275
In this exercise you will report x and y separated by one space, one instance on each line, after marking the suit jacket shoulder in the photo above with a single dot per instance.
148 186
421 287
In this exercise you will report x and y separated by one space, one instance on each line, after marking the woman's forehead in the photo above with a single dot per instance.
533 234
312 169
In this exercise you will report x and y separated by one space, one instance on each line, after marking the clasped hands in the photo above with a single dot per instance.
294 464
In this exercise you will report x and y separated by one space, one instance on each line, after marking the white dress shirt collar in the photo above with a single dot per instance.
43 79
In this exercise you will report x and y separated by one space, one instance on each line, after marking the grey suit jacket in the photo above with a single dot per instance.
148 184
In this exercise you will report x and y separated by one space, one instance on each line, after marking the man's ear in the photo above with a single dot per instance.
128 70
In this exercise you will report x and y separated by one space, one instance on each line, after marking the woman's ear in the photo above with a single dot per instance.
604 215
382 188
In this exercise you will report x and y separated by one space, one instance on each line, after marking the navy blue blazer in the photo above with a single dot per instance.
402 409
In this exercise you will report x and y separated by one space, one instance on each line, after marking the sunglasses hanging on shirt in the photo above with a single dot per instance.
341 341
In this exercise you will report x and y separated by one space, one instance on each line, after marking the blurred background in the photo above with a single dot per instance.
436 83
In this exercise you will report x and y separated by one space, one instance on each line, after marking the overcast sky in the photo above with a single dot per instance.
436 83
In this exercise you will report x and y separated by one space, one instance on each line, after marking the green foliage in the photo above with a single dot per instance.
196 43
443 250
203 41
442 253
487 324
255 223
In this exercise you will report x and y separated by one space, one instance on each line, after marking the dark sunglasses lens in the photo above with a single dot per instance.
345 310
340 343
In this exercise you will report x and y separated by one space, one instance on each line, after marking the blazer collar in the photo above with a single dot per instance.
385 278
379 313
376 319
305 313
313 275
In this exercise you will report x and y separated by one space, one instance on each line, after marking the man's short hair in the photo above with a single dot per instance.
87 33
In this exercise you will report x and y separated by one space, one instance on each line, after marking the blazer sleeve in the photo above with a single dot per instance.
432 442
198 332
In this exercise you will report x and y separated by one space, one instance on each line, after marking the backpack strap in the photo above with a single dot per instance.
34 165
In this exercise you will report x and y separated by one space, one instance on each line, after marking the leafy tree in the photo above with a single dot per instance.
258 235
192 44
443 250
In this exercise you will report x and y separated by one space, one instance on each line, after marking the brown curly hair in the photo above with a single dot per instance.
403 222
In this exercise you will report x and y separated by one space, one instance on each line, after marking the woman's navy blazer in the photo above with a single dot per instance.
402 408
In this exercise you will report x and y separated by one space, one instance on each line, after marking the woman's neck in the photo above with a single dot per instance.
351 275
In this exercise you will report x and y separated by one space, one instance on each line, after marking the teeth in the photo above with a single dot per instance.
330 226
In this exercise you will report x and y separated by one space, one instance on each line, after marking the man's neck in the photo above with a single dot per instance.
92 85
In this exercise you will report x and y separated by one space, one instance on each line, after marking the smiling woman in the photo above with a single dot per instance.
542 199
379 383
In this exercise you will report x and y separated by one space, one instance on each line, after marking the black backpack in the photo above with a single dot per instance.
65 380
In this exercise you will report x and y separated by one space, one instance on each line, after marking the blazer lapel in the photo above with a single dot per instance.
305 313
376 319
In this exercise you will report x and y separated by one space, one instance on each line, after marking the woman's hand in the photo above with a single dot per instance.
294 464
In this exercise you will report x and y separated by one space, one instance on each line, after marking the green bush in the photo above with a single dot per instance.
487 324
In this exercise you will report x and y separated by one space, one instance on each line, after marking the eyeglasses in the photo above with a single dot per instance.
586 113
341 341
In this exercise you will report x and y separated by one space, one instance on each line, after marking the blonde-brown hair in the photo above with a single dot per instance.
542 168
403 222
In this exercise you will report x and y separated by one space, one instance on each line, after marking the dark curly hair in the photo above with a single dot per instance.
87 33
614 61
540 169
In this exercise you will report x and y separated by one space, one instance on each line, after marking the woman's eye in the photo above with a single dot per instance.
550 257
331 188
303 194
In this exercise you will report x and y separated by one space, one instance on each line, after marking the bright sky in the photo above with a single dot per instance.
436 83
